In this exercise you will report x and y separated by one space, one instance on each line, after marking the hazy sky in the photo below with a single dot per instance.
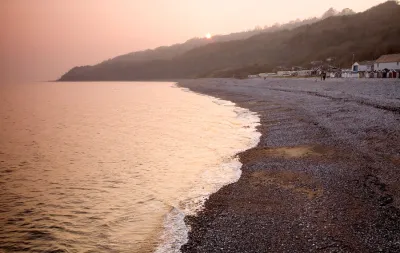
42 39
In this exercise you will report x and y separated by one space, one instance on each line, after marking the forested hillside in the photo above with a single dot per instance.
367 35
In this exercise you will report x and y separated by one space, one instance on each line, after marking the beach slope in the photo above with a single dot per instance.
324 176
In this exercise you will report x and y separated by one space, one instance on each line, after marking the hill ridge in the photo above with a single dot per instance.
368 35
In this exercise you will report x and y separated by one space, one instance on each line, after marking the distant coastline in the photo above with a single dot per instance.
344 39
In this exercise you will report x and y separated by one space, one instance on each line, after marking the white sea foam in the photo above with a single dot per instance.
175 232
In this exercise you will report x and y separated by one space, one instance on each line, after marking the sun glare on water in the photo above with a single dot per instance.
208 36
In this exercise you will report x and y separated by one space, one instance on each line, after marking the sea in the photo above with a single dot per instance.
112 166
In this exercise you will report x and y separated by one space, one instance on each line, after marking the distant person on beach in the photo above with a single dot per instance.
323 75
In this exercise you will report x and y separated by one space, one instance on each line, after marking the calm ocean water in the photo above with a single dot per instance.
111 167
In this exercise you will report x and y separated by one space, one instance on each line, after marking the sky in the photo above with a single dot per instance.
43 39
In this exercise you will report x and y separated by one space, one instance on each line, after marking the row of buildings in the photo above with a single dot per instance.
386 66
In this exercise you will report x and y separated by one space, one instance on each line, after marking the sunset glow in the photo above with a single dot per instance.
208 36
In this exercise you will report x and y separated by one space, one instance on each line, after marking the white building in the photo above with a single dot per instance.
285 73
363 66
253 76
264 75
304 72
348 73
388 61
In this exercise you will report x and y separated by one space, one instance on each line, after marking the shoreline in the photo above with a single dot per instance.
323 176
175 230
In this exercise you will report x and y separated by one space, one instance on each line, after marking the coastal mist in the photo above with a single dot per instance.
111 166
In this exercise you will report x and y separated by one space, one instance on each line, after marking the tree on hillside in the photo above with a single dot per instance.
329 13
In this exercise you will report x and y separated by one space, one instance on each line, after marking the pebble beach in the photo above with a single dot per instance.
324 176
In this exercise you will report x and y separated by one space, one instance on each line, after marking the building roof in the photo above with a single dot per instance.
388 58
368 63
